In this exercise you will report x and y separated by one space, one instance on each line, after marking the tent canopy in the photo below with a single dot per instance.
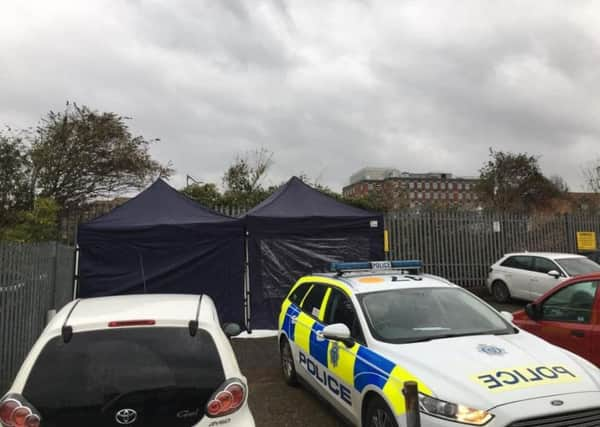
299 230
163 242
159 204
296 208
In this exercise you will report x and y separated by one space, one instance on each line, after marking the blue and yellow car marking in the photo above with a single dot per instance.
524 377
352 368
329 381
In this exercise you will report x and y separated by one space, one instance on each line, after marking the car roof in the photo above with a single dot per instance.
552 255
173 309
372 281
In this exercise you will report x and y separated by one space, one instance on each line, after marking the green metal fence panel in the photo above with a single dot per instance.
461 246
34 278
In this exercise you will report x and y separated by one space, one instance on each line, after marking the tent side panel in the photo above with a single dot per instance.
182 261
276 262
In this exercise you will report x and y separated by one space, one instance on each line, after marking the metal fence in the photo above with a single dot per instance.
461 246
34 278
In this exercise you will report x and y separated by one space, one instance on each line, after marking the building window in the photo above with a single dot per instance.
436 195
435 185
442 185
419 185
468 196
443 196
467 186
459 186
428 195
460 196
426 186
412 195
449 186
411 185
419 195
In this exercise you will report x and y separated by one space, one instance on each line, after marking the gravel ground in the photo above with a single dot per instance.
273 403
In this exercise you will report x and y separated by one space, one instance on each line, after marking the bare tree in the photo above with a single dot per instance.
243 179
591 175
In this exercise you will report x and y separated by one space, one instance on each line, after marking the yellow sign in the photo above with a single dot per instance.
386 241
586 240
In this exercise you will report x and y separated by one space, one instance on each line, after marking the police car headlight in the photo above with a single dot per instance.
453 411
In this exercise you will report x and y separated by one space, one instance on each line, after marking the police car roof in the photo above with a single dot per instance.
371 281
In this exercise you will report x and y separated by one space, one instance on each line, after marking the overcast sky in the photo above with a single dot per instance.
327 86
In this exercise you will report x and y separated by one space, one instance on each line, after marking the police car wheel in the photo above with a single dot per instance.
500 291
379 415
287 364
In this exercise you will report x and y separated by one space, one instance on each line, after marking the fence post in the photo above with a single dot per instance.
411 399
54 252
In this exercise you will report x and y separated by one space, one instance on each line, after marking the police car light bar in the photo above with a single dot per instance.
340 267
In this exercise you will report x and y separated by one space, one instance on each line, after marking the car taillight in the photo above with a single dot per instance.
15 411
227 399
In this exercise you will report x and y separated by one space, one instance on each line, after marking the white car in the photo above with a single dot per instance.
356 336
529 275
137 360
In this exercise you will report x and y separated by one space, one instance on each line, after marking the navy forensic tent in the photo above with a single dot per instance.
299 230
163 242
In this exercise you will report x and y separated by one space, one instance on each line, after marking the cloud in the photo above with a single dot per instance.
329 87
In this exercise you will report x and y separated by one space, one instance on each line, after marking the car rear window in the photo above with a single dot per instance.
164 374
520 262
299 292
313 301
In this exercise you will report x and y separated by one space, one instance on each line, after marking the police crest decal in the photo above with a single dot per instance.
334 354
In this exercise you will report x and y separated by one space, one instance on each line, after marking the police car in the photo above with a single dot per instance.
357 335
134 360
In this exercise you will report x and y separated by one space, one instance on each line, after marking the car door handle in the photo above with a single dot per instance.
579 334
320 336
294 319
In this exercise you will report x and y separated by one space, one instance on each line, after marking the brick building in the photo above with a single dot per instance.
404 189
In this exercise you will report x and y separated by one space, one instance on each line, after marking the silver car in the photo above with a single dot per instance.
528 275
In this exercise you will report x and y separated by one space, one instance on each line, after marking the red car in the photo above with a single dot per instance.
568 316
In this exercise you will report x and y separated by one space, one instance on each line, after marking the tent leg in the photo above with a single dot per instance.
76 272
247 285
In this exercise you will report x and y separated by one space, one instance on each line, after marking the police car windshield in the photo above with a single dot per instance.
422 314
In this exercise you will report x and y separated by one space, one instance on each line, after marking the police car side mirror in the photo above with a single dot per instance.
232 329
338 332
532 311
